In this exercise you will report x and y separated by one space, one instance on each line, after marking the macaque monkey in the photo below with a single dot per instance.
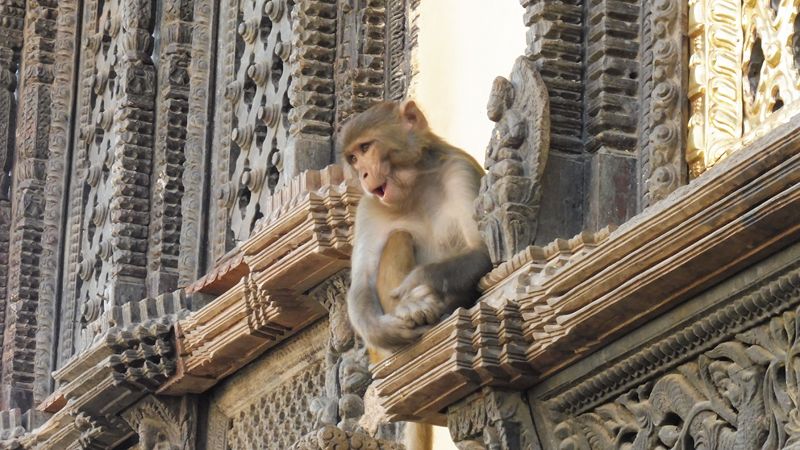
419 190
417 254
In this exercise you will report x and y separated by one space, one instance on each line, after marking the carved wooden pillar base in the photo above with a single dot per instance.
492 419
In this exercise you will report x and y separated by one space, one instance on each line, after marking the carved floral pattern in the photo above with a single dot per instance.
742 394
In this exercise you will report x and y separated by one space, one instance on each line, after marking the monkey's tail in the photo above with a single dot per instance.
418 436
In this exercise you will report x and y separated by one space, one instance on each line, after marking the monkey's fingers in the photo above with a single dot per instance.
398 331
422 306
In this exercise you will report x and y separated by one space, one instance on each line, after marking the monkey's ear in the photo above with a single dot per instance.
413 118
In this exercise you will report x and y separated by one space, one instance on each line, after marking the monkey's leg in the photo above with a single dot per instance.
397 260
418 436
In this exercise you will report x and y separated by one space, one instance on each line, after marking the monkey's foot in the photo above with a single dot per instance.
421 306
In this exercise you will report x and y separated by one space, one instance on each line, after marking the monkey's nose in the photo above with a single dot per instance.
365 175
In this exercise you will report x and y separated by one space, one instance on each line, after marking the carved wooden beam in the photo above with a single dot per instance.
305 238
739 212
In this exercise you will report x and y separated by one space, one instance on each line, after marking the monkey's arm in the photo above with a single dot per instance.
438 287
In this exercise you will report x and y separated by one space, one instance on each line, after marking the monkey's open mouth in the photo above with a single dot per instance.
380 190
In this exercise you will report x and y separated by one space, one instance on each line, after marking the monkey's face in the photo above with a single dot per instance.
380 176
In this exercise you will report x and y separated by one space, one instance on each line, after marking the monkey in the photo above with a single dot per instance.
417 251
415 183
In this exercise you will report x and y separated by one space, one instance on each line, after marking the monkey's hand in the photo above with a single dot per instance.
394 332
418 301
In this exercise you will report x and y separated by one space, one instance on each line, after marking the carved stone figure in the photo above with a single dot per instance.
508 205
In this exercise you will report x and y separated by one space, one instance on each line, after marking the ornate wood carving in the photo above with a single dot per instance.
309 226
662 160
507 207
169 156
164 422
492 419
112 163
555 41
102 383
330 436
470 349
398 45
36 76
740 393
275 119
282 401
11 27
663 257
612 75
194 234
361 70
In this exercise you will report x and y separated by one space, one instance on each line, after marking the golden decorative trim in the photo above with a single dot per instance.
778 78
715 81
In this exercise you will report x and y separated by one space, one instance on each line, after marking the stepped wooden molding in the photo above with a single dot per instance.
107 378
304 239
538 261
737 213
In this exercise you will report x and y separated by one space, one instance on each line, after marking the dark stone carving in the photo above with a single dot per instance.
664 87
492 420
508 204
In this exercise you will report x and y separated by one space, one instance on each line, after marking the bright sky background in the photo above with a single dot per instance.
463 46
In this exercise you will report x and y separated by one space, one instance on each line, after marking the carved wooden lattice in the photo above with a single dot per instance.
113 159
275 120
278 419
259 96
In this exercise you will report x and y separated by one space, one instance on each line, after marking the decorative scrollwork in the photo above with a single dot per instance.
741 394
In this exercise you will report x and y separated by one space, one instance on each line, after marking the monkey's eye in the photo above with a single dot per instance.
351 159
365 146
